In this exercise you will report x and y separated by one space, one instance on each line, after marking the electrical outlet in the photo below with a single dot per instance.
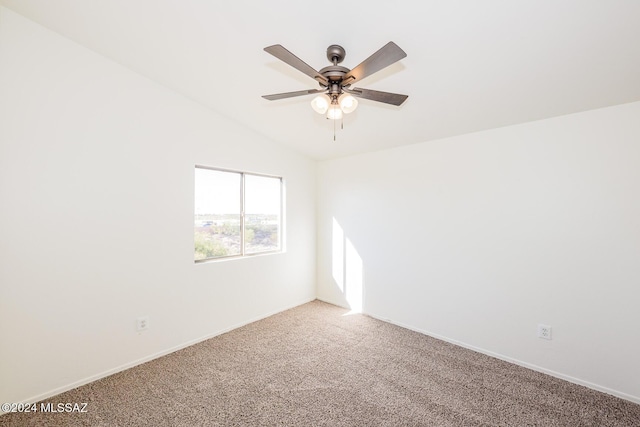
142 323
544 331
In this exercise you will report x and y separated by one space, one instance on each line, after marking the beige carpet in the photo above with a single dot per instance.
313 366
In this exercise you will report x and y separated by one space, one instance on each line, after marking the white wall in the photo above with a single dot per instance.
96 217
475 239
478 238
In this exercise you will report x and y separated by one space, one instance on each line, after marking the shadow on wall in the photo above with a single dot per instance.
347 268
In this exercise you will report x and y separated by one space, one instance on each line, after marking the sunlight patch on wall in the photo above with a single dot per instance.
353 276
337 255
347 268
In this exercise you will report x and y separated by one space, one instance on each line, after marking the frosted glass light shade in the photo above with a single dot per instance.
348 103
320 103
334 112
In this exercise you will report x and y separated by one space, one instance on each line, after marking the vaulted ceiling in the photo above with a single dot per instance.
470 65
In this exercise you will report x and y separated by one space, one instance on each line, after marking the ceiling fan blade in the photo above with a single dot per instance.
374 95
284 55
277 96
385 56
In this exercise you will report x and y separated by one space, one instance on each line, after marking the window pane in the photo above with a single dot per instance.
217 214
262 213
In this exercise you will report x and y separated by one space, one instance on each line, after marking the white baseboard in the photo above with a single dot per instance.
597 387
149 358
337 304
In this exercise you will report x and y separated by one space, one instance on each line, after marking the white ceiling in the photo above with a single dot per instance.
471 65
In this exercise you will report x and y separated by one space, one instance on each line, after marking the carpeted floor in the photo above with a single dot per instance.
315 366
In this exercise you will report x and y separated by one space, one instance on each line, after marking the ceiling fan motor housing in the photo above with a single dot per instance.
335 73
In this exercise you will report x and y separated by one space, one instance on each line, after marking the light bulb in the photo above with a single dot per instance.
320 103
334 112
348 103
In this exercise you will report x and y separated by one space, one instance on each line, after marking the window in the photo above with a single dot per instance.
236 214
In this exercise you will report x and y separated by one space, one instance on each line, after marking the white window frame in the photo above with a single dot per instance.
281 231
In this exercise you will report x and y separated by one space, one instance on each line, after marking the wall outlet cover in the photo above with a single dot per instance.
544 331
142 323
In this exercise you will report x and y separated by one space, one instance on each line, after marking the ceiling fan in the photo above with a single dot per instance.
335 81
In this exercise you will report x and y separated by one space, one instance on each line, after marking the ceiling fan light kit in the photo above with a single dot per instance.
323 104
337 97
